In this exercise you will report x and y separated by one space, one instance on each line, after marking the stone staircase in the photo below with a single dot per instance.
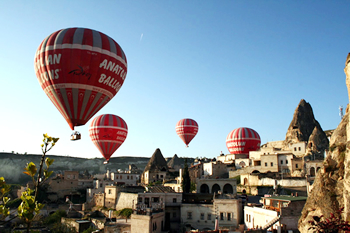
270 224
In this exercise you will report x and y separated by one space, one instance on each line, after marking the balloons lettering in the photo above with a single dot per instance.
242 140
80 70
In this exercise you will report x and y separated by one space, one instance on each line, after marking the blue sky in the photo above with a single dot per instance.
225 64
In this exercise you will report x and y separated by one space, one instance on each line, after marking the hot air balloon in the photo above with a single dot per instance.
108 132
80 70
242 140
186 129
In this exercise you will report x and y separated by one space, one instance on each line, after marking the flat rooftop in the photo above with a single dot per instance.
286 198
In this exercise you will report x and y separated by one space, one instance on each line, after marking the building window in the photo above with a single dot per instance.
202 216
228 216
155 199
299 148
140 199
209 217
109 191
132 177
121 177
265 164
116 177
127 177
221 216
296 165
174 200
271 164
286 161
174 214
295 149
101 185
249 218
281 161
189 215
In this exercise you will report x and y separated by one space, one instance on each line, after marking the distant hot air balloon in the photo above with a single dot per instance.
108 132
242 140
186 129
80 70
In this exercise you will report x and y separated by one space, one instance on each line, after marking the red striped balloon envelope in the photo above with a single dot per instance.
108 132
186 129
242 140
80 70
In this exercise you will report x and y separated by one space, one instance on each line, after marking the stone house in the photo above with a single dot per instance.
215 169
165 198
277 212
199 211
156 169
100 181
224 186
195 171
67 184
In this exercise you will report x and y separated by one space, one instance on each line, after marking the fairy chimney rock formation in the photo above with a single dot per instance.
304 128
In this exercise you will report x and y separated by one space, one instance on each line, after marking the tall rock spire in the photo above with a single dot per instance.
305 128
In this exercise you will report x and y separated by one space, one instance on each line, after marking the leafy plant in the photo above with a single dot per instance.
55 217
125 213
30 207
4 190
333 224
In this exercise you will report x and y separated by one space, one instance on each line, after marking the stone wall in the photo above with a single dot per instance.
126 200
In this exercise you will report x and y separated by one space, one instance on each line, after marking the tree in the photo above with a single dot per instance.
125 213
186 181
30 207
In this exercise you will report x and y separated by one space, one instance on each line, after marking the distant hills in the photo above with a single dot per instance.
12 165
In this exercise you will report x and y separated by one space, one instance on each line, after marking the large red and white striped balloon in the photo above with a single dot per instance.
242 140
186 129
108 132
80 70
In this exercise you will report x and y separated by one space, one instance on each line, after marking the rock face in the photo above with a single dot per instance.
305 128
331 187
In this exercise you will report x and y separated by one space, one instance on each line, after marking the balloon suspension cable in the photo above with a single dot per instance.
75 136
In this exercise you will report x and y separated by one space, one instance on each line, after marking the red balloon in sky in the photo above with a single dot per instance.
80 70
108 132
242 140
186 129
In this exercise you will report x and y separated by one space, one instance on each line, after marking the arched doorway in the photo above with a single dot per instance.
312 171
215 189
227 188
204 188
245 181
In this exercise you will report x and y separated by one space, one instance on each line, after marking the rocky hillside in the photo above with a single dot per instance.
331 187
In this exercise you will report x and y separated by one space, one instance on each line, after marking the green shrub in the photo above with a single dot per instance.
55 217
